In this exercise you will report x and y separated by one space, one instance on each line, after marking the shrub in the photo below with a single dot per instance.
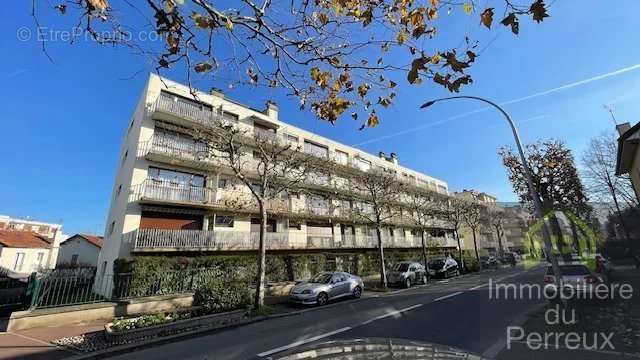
218 296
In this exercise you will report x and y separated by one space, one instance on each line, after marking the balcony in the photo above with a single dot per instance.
170 192
169 149
180 109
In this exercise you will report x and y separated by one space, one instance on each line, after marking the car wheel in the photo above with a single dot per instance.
322 299
357 292
407 283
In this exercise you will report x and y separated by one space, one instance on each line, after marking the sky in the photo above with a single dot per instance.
62 121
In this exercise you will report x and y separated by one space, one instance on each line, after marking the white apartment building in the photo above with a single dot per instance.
27 246
169 198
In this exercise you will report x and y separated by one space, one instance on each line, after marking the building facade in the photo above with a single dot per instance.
80 250
171 197
486 237
628 160
51 234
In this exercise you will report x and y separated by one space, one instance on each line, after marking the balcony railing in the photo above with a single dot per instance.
185 108
163 190
185 149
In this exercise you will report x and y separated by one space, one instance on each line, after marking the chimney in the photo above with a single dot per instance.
217 93
272 110
622 128
382 156
394 158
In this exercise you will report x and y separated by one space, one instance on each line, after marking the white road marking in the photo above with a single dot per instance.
448 296
391 314
302 342
478 287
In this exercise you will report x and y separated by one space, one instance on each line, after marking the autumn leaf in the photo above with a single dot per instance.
322 17
202 67
363 89
455 64
101 5
229 25
384 101
468 8
201 21
392 84
538 10
432 13
435 59
402 36
417 65
511 20
486 18
373 120
435 3
384 47
61 8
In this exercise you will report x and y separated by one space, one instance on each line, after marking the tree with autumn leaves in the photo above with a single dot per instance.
555 179
334 56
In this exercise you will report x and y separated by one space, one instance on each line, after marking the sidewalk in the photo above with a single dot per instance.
35 344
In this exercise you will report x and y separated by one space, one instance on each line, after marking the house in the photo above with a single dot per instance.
628 159
23 252
170 197
80 250
51 233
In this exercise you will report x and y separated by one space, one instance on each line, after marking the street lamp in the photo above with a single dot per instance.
537 203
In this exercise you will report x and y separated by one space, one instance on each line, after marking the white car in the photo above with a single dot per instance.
578 282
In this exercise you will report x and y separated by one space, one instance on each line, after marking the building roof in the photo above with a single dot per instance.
627 144
91 239
22 239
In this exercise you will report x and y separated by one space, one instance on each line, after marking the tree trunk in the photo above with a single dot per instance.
557 231
455 232
574 235
475 246
262 255
623 224
500 249
383 272
424 251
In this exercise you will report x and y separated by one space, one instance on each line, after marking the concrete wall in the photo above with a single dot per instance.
69 315
87 253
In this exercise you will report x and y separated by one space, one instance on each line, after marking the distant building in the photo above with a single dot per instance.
486 237
40 237
516 224
22 252
628 161
80 250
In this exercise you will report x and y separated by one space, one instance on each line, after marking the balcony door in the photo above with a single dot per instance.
159 220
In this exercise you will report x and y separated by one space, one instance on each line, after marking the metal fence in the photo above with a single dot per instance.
85 287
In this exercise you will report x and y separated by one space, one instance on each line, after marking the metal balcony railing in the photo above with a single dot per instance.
179 148
186 109
163 190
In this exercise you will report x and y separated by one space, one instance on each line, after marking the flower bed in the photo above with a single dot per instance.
162 324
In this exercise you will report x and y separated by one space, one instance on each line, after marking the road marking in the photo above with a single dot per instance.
391 314
302 342
448 296
478 287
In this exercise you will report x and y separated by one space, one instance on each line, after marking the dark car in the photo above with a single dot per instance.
489 262
443 267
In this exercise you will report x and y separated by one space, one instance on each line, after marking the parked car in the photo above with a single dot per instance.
577 279
489 262
407 273
444 267
327 286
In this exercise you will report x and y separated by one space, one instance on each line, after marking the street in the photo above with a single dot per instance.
456 312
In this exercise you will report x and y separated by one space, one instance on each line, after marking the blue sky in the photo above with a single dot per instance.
63 121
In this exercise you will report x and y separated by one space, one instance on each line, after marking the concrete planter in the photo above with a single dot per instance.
200 322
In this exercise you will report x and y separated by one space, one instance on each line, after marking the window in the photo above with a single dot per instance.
315 149
224 221
177 178
74 259
256 155
112 228
19 261
364 165
40 258
227 116
295 224
104 268
119 190
342 157
292 138
223 183
124 158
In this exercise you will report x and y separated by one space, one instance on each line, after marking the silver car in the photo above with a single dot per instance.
326 286
407 273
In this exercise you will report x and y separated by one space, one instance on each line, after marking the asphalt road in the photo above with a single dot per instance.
457 312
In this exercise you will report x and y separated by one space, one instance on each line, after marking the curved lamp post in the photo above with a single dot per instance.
537 202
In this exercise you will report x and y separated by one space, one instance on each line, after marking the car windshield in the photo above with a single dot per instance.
437 262
570 270
322 278
402 267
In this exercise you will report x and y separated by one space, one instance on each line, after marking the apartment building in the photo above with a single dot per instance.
171 197
27 245
486 236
